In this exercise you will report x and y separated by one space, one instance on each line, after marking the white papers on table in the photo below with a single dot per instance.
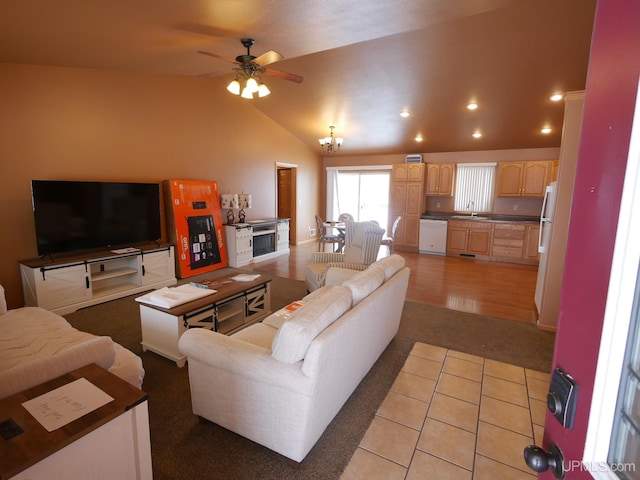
169 297
245 277
126 250
65 404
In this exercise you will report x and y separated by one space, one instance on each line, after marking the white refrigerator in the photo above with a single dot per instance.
555 217
544 240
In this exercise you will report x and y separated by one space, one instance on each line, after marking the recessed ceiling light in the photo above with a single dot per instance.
404 114
556 97
472 106
418 138
545 130
477 134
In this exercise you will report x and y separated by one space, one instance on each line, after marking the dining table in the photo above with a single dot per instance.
340 227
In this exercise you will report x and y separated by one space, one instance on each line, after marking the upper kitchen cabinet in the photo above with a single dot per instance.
407 172
523 179
440 179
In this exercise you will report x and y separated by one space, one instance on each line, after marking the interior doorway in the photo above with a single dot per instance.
286 197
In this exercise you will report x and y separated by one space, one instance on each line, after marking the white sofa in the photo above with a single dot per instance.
37 345
282 381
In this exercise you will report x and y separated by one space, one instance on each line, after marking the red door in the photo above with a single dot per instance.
610 100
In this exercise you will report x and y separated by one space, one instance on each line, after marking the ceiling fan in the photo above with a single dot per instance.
249 67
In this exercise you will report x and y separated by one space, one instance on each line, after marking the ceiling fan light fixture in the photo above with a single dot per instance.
252 85
234 87
246 93
263 90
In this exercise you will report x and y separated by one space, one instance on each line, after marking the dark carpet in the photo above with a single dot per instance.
184 448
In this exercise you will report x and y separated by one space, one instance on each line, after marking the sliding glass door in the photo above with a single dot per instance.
362 193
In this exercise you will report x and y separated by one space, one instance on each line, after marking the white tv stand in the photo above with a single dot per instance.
66 283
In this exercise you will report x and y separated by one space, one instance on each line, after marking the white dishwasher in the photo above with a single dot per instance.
433 236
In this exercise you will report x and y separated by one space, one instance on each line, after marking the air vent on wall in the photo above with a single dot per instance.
413 158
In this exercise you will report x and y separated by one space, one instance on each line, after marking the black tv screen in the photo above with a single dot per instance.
71 215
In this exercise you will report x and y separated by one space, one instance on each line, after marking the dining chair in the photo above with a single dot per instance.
344 218
387 241
326 238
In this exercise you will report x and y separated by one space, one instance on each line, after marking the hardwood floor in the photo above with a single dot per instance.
500 290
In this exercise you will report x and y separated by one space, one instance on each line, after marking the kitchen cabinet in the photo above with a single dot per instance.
531 244
508 241
555 168
406 199
440 178
407 172
469 237
523 179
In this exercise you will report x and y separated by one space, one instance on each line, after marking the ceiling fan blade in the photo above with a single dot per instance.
267 58
215 55
292 77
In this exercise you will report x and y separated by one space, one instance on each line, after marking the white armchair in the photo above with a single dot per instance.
362 243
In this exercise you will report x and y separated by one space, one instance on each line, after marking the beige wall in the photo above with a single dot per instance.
78 124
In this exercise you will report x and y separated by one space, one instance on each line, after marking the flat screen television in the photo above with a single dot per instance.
72 215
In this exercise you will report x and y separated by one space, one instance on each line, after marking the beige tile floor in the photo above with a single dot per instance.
451 415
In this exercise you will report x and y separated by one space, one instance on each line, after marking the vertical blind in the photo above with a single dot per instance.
474 183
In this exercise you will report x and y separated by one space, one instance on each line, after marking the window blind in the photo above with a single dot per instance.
474 187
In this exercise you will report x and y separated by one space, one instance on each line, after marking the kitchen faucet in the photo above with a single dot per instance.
471 206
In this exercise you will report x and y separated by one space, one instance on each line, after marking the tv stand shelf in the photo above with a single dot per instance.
66 283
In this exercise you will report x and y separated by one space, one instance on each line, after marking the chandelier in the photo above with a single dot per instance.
331 143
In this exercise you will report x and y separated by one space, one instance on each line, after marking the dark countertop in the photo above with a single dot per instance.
489 217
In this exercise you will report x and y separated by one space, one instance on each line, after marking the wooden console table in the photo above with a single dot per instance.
109 442
235 305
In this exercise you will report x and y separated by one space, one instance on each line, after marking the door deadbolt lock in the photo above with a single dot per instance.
562 397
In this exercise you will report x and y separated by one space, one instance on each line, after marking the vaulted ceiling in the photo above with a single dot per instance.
363 61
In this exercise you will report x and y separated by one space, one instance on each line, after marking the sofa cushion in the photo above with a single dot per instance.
390 265
276 319
296 334
258 334
365 282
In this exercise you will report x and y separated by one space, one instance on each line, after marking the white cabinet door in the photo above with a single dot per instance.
282 240
57 287
158 266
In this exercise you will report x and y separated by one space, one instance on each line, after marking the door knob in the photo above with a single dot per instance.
540 461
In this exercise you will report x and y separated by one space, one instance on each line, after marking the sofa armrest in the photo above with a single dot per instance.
241 358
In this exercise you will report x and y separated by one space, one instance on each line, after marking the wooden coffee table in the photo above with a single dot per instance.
234 306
